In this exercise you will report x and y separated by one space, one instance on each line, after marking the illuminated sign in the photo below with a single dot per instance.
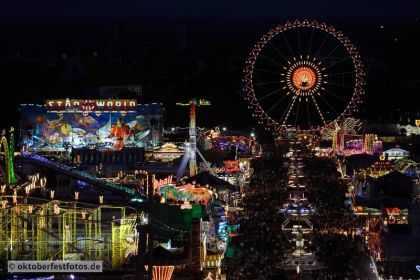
231 166
418 268
91 105
163 182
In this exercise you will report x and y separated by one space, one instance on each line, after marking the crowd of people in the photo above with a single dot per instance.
336 241
260 245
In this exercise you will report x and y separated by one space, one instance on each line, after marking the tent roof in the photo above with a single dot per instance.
387 201
161 256
205 178
361 157
361 161
234 133
401 245
395 177
396 150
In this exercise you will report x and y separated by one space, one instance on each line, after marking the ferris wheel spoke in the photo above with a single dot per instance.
278 51
298 39
340 73
313 64
297 112
307 111
317 108
266 71
271 60
335 95
276 104
310 42
330 53
340 85
288 46
322 44
268 83
270 93
337 62
288 110
328 104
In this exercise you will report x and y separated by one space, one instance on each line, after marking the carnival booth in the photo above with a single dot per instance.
223 190
396 153
380 168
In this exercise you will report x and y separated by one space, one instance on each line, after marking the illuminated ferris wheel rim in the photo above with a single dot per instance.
264 118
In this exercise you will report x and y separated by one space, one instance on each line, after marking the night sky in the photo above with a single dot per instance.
209 8
220 34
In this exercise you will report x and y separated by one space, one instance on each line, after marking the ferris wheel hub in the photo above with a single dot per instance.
303 78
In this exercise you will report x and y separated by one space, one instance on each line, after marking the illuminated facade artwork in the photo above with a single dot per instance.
368 143
288 85
231 166
393 215
338 130
243 144
89 105
165 153
345 138
187 192
46 130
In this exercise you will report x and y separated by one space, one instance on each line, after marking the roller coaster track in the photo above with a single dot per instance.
57 237
82 176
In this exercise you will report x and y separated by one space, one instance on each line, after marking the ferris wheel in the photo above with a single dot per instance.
303 74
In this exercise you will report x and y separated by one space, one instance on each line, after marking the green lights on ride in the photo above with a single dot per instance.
11 168
9 153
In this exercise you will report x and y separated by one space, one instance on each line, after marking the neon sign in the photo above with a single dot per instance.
162 182
90 105
418 268
231 166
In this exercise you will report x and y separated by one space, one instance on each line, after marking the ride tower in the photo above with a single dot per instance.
298 211
191 146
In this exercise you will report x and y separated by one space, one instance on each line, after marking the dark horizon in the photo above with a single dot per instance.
210 67
208 9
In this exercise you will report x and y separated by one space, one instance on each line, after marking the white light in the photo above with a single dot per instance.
224 128
252 134
173 128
